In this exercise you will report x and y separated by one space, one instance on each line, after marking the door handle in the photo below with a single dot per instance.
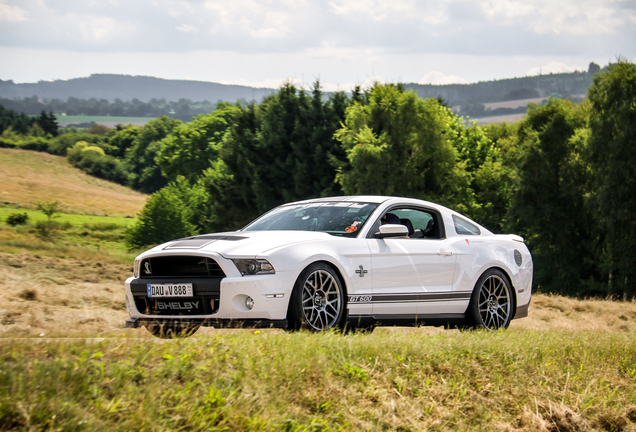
444 253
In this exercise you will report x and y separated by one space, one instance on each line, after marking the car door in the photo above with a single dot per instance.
412 276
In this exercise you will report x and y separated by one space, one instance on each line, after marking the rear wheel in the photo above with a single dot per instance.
169 331
491 304
317 302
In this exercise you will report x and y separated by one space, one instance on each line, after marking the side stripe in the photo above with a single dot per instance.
409 297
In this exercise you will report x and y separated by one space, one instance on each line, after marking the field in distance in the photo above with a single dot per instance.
64 120
28 177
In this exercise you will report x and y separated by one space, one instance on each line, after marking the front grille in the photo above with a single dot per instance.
204 301
180 266
197 305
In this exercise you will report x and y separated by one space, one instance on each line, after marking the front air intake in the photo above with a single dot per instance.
180 266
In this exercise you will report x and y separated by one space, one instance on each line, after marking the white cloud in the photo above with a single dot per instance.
12 13
346 42
98 29
186 28
439 78
496 9
549 17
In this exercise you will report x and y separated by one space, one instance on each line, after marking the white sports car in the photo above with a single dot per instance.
352 261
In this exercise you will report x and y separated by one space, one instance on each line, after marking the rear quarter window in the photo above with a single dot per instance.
463 227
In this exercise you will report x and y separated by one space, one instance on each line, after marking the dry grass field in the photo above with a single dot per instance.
83 296
27 177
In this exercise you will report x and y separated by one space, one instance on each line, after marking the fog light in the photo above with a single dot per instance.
249 303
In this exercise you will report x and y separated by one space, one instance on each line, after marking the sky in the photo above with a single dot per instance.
342 43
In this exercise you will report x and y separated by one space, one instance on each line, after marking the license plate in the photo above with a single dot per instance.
169 290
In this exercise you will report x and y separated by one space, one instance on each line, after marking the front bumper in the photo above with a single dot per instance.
217 302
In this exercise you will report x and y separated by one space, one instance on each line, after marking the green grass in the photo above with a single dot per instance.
101 119
248 380
73 236
75 219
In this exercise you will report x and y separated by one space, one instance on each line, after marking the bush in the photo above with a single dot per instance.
167 215
15 219
94 161
45 229
63 142
7 143
35 143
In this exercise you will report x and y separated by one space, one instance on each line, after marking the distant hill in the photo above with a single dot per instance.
539 86
126 88
141 96
472 99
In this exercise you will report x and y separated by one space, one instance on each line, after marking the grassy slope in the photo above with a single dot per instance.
73 275
28 177
569 366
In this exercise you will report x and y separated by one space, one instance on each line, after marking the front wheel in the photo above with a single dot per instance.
317 301
491 302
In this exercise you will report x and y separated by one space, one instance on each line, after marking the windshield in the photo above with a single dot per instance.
336 218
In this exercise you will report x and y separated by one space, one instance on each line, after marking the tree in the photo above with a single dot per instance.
122 138
48 123
613 157
50 209
593 68
276 152
167 215
550 207
192 147
399 144
145 173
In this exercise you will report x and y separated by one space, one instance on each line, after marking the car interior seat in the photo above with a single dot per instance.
407 223
431 230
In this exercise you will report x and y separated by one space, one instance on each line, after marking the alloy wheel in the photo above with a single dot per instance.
321 300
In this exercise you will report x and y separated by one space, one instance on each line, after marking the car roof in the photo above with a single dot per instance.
376 199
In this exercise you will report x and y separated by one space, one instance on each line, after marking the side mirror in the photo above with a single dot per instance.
392 230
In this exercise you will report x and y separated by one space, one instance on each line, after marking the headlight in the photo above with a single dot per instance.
136 268
253 266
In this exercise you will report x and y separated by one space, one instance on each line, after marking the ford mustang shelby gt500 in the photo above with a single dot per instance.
341 262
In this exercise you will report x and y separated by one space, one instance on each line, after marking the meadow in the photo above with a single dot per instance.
388 380
68 119
27 177
67 363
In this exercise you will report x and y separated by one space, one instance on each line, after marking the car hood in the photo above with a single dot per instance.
242 244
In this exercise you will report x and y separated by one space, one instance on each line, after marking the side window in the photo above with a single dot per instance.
421 223
463 227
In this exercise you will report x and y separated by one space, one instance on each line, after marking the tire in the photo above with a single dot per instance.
318 301
170 331
492 302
